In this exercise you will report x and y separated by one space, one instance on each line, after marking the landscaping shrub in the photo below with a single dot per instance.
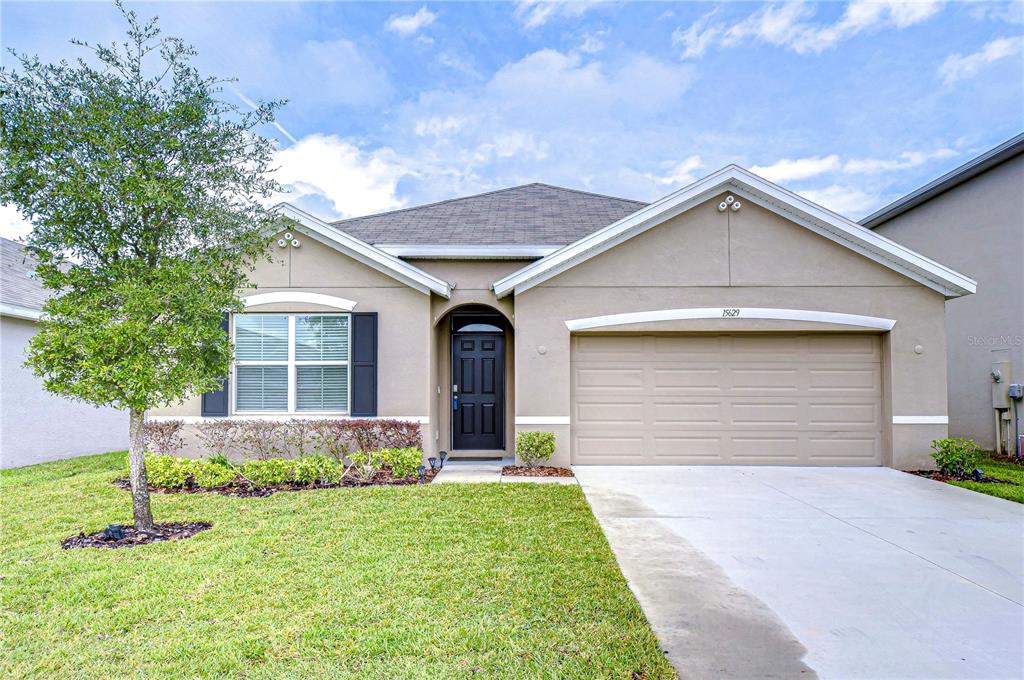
167 472
956 457
534 448
269 472
217 436
299 435
402 461
163 437
262 439
318 470
398 434
209 474
220 459
364 465
329 439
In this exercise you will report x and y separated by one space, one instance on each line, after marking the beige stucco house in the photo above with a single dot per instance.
972 218
730 322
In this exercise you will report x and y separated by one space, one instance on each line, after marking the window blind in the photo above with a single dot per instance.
321 338
321 388
261 337
261 388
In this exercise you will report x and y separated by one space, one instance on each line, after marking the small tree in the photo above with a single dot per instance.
143 189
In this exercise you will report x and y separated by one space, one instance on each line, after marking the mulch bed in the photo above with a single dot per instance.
540 471
939 477
170 531
245 489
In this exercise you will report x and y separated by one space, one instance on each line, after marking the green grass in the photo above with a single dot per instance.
426 581
1000 468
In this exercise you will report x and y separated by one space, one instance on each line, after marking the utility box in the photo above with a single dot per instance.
1000 398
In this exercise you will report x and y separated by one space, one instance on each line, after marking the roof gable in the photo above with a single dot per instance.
20 294
364 252
749 187
533 215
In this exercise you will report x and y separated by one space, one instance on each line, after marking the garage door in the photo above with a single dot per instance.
812 399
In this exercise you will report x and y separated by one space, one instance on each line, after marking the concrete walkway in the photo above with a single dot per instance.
753 572
483 471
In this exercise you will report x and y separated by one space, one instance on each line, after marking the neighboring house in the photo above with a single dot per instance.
36 426
730 322
973 219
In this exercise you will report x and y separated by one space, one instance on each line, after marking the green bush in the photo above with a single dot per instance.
534 448
220 459
403 462
269 472
317 470
208 474
956 457
365 465
167 472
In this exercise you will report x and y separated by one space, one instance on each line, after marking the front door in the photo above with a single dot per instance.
478 391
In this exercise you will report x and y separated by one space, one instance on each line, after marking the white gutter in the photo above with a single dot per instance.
20 312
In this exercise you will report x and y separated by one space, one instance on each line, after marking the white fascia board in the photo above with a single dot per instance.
20 312
762 192
468 252
364 252
299 296
731 314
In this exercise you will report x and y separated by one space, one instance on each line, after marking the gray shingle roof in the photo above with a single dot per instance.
16 288
531 214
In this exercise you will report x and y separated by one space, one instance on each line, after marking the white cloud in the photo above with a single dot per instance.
958 66
844 200
789 26
681 173
408 24
12 224
904 161
592 43
789 169
439 126
332 177
536 13
333 72
701 34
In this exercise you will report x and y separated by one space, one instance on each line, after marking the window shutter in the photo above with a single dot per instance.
364 364
215 404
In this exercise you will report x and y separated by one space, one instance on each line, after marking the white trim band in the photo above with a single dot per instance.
19 312
920 420
280 418
730 314
299 296
542 420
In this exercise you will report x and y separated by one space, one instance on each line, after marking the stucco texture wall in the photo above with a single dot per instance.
36 426
750 258
976 228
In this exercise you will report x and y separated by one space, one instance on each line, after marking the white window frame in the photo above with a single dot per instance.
292 363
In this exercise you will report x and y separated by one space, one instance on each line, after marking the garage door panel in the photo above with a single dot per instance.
789 399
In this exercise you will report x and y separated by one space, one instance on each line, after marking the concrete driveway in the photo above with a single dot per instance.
752 572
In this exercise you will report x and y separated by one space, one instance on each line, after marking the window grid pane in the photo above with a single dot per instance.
262 388
321 338
321 388
261 337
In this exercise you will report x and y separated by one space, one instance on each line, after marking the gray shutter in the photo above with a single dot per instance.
215 404
364 364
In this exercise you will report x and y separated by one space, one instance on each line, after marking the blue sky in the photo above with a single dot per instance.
396 104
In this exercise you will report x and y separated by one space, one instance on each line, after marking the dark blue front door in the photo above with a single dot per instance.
478 391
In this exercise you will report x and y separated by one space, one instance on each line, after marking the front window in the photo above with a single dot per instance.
291 363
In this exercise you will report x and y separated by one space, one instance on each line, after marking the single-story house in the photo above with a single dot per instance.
973 219
36 426
730 322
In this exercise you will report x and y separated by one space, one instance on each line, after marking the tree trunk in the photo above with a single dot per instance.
137 464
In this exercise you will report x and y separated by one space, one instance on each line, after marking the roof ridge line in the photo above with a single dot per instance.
483 193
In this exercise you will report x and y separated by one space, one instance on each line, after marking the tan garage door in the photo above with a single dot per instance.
812 399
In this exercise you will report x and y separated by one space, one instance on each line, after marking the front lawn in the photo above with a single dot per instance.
1003 469
443 580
